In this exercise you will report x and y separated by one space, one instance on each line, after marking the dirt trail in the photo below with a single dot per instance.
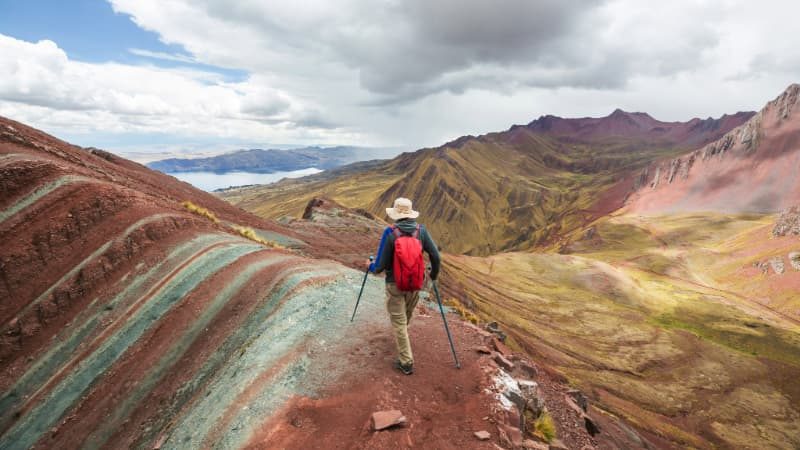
444 405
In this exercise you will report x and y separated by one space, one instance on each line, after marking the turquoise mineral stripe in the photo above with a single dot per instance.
266 338
309 322
83 263
44 415
176 352
232 345
40 192
85 323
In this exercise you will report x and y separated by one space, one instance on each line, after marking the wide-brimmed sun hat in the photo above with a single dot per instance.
402 210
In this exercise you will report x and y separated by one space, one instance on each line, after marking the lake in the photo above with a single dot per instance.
209 181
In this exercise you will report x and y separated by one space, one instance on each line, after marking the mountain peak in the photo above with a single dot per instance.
618 113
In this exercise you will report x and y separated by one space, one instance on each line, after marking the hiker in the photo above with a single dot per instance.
401 250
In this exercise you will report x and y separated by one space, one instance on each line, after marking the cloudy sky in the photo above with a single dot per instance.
203 74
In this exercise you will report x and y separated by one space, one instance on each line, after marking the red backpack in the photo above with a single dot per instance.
409 267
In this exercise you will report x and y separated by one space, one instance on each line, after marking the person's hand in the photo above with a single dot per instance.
368 264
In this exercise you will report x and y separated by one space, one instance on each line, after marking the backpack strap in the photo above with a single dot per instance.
398 232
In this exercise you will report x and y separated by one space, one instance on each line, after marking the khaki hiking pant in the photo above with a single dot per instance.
401 306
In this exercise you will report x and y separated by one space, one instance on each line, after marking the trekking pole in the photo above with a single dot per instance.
446 328
362 289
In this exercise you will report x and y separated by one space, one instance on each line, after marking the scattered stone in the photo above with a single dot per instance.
514 418
557 444
501 348
503 362
482 349
591 425
762 266
160 442
385 419
794 260
777 264
505 441
509 436
529 369
494 328
574 406
579 398
477 329
530 392
483 435
533 445
788 223
588 422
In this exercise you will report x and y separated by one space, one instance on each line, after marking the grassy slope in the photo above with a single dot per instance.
499 192
669 335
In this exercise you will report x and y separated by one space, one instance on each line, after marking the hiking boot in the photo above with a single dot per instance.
407 369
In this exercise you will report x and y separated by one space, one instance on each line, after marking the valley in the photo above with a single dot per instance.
659 318
644 266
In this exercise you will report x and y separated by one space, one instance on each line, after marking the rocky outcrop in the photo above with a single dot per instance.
788 223
794 260
777 265
722 176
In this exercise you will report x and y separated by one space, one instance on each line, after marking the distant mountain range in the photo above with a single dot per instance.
508 190
268 161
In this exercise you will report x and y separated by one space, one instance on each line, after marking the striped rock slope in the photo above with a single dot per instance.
128 321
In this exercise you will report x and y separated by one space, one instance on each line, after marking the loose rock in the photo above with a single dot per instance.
482 349
788 223
503 362
483 435
509 436
501 348
579 398
794 260
385 419
494 328
533 445
777 265
529 369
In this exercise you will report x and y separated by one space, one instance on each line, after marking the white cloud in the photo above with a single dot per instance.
161 55
41 85
419 72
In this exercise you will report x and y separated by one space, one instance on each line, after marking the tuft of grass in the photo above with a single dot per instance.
544 427
462 311
200 211
249 233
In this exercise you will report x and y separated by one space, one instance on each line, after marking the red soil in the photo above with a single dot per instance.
443 405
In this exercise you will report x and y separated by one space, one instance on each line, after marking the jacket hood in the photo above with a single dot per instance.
407 225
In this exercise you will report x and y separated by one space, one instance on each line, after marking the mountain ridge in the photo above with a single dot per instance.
500 191
752 168
269 160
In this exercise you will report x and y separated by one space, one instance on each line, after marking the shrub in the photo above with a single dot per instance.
544 427
200 211
462 311
249 233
